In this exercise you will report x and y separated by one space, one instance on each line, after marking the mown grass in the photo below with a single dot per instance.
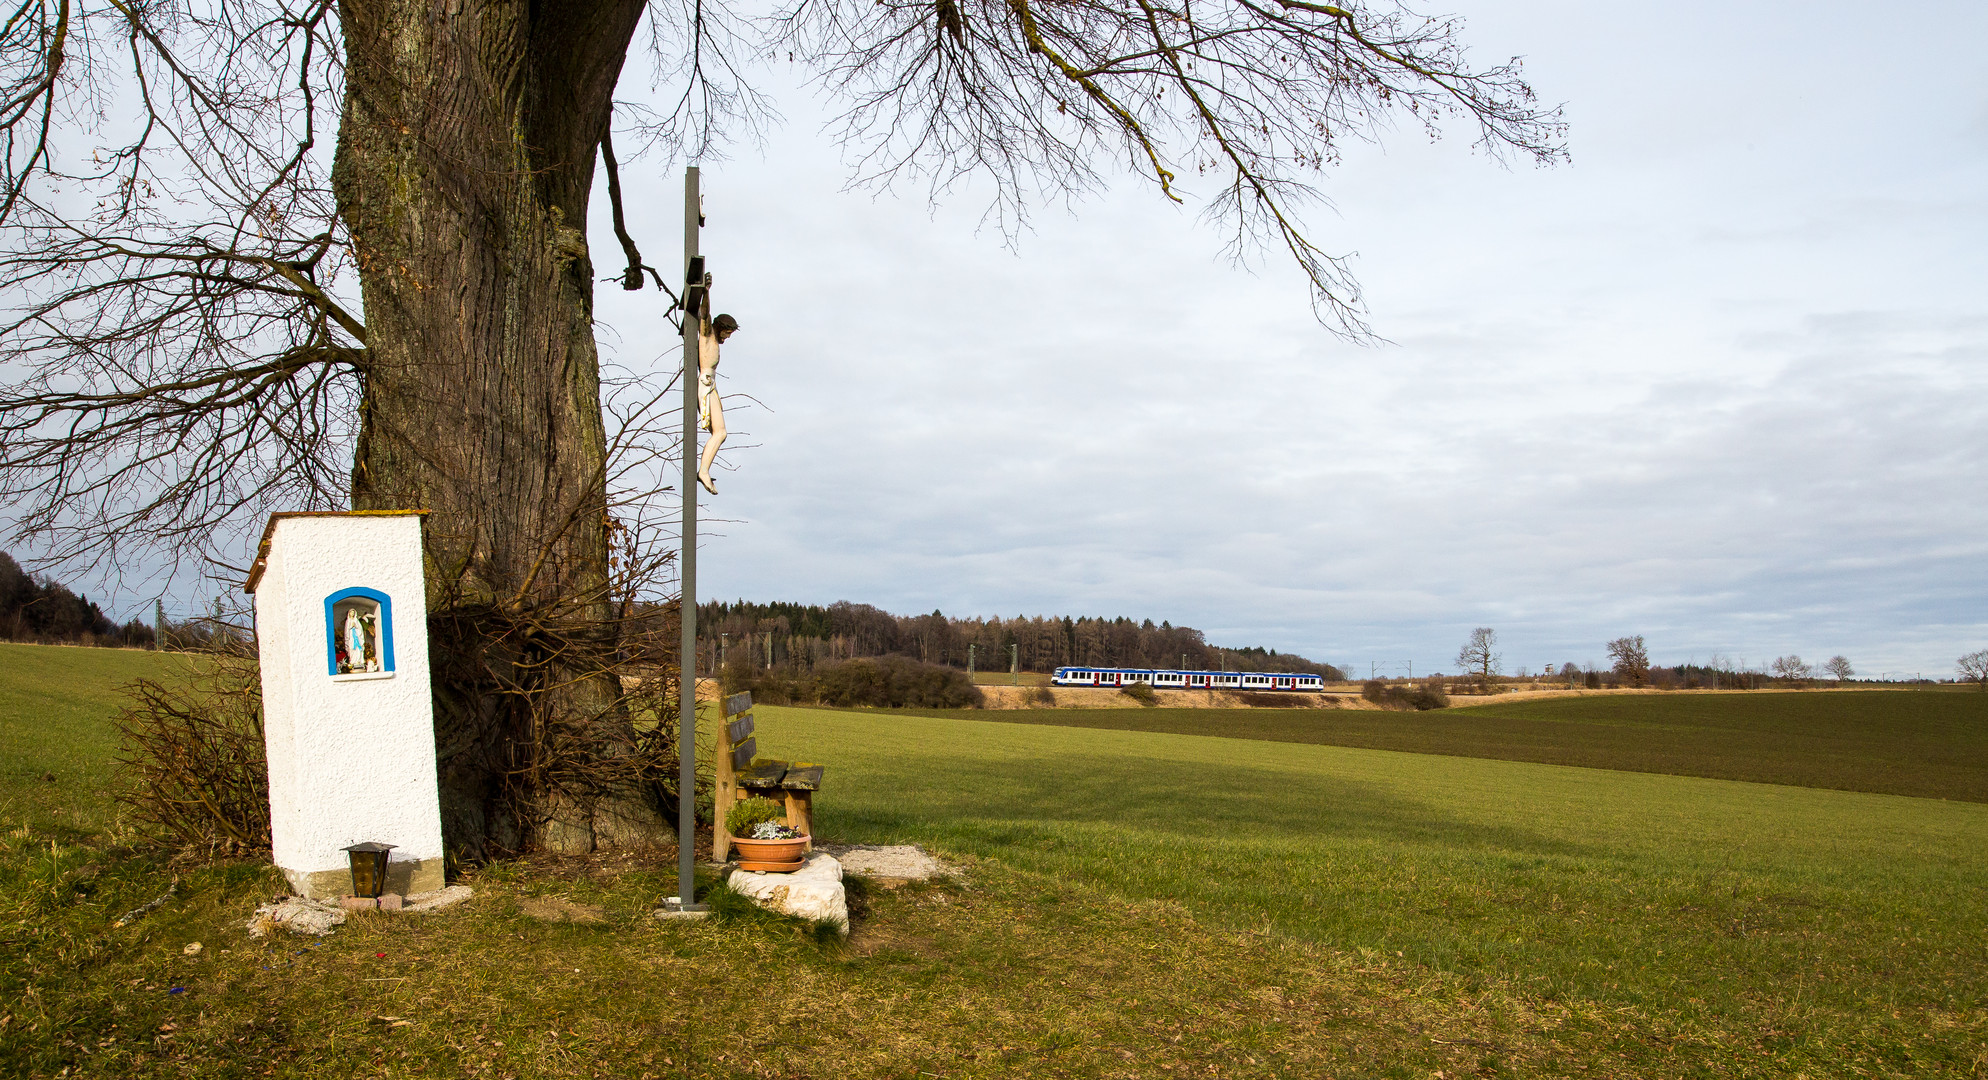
1729 920
1929 744
1133 905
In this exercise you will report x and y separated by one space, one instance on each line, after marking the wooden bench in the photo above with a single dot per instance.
742 775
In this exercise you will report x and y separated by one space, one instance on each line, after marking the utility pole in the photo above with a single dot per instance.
159 623
686 784
969 661
1015 664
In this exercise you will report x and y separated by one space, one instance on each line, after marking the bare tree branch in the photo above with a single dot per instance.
177 358
183 349
1042 97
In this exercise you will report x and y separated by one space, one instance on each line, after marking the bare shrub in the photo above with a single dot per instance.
1141 693
1042 696
887 681
1428 695
896 682
1261 700
772 686
192 758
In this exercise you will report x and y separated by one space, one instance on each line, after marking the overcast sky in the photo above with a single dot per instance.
1718 381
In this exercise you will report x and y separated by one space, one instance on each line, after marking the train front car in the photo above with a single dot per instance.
1070 676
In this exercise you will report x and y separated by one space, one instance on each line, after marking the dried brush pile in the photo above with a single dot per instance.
192 758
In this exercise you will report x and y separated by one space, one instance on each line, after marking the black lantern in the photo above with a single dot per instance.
369 868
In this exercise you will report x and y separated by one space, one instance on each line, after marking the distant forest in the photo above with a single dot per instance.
41 610
761 637
798 636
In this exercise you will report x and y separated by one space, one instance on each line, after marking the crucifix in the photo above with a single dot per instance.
696 284
711 333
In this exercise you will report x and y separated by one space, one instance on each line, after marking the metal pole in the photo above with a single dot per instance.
1015 664
969 661
686 790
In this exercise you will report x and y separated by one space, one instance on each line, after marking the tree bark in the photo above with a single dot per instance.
464 163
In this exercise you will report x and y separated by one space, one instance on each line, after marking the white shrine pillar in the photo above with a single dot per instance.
341 619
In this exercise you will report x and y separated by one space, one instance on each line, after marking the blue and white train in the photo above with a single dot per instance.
1168 679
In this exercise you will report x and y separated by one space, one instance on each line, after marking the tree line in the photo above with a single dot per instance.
42 610
1629 665
788 636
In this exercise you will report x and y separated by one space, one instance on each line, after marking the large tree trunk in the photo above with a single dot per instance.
464 163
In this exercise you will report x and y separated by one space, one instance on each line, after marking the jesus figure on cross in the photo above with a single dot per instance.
711 407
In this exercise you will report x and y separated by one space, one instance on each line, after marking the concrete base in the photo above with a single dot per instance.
686 916
674 908
406 878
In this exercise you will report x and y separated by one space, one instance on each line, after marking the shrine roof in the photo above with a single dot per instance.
269 531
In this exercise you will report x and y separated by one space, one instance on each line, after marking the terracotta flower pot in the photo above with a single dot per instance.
777 856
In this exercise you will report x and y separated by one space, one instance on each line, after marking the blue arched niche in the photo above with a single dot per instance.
331 606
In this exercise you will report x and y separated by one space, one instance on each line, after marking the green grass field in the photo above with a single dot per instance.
1897 742
55 704
1692 902
1135 904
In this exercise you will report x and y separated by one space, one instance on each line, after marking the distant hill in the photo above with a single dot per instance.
43 610
773 635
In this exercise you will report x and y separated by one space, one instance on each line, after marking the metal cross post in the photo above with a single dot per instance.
686 783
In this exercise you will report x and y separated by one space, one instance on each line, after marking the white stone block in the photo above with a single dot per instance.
342 626
812 892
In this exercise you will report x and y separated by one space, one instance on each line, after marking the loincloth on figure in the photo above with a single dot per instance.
707 399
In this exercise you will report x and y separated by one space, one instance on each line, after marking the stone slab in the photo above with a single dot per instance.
318 917
297 915
901 862
438 899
